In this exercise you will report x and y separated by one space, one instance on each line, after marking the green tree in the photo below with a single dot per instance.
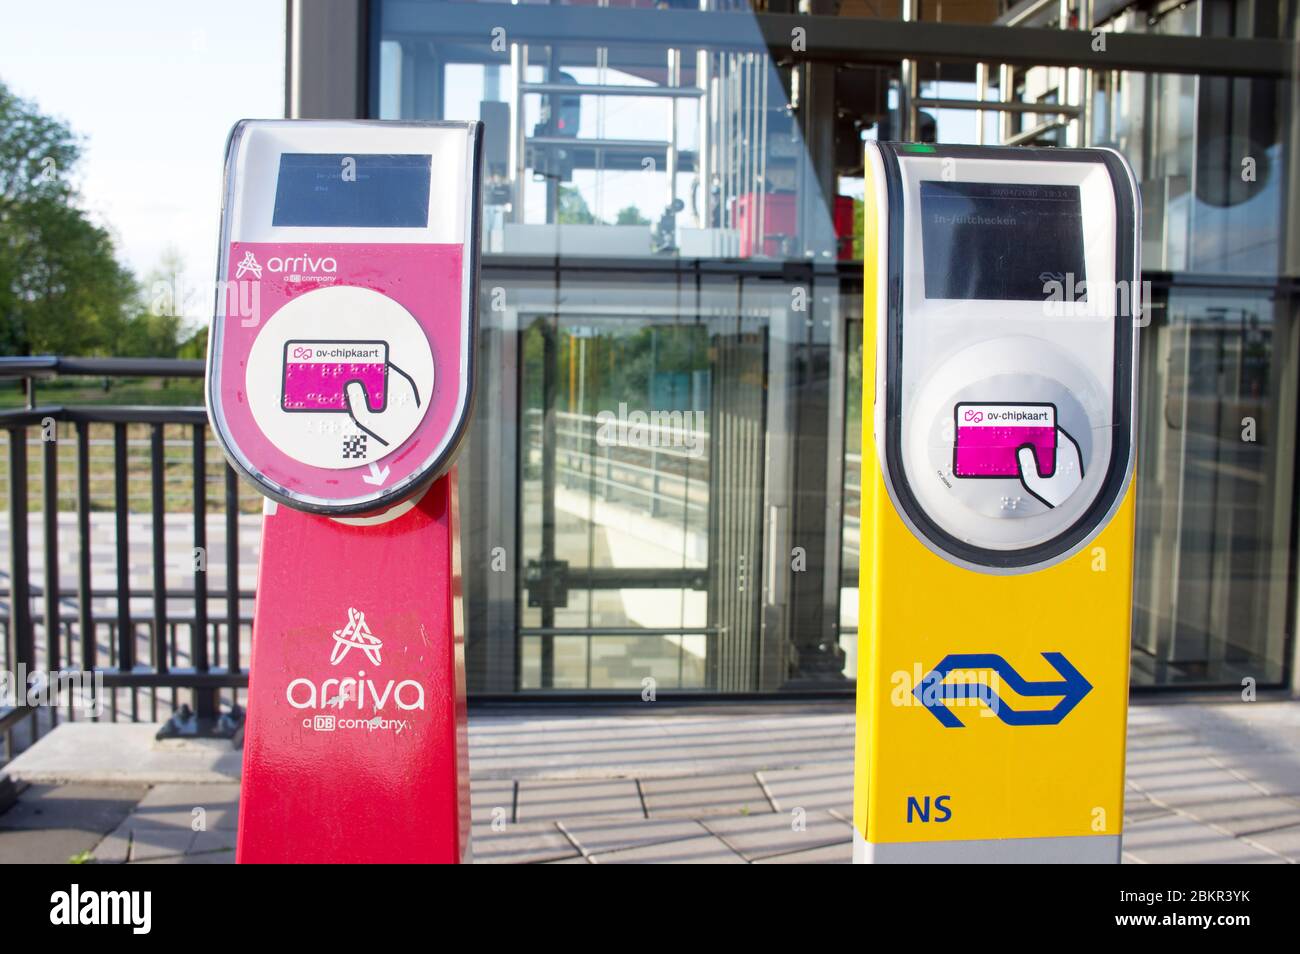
153 328
631 215
195 346
573 208
62 290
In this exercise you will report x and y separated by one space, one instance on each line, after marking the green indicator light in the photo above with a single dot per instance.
919 147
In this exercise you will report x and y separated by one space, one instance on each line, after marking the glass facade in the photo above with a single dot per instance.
1216 488
661 489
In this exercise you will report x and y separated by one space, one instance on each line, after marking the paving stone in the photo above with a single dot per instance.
206 858
115 849
1196 784
149 843
811 789
1155 753
1157 770
1245 815
596 798
219 840
92 808
1285 841
1138 807
485 797
521 844
1177 839
44 846
172 806
700 795
1276 772
838 854
124 754
760 836
177 795
648 744
595 837
695 851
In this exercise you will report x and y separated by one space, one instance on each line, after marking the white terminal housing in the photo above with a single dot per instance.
1007 346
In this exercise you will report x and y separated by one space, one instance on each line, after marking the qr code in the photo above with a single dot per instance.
354 447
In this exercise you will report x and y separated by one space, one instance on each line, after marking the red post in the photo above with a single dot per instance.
340 381
356 746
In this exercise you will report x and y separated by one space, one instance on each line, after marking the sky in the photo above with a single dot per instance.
151 88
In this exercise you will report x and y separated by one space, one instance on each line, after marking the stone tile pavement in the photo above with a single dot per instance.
772 784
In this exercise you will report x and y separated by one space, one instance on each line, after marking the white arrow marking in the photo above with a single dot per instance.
376 477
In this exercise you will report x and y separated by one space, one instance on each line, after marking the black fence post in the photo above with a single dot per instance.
232 571
122 546
53 625
158 516
85 595
205 700
22 642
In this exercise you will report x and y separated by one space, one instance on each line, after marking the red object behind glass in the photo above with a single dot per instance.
779 216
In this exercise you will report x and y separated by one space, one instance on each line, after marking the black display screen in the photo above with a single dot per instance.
358 190
1001 241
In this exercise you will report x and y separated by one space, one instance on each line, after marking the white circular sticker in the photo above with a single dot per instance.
1007 442
340 377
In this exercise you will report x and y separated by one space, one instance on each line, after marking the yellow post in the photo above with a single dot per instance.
992 690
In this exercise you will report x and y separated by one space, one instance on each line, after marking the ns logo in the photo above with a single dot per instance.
920 809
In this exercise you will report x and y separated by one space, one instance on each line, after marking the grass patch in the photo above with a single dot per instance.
166 392
178 471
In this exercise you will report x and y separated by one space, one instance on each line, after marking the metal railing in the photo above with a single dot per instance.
146 641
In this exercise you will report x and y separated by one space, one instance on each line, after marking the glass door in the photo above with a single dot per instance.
625 389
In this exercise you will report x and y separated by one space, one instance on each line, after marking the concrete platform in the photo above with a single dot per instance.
110 753
1207 783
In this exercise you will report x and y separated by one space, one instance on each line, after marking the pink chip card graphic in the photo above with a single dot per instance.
988 437
317 373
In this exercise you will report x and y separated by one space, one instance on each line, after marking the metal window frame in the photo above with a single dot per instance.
844 40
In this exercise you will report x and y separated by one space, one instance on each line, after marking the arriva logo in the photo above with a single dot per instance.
294 264
356 635
355 692
302 263
249 264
